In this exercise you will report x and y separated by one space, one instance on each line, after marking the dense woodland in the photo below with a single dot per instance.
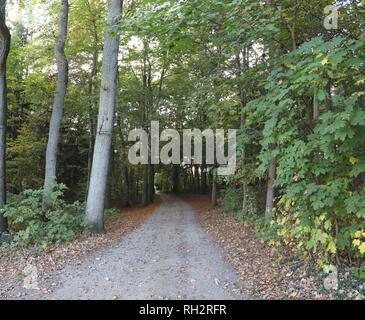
78 75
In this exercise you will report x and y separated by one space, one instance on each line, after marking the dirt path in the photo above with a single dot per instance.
168 257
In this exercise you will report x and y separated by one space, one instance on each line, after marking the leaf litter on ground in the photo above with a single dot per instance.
269 272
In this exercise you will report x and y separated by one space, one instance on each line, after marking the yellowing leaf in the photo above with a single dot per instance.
294 294
325 61
358 234
362 248
313 70
359 93
353 160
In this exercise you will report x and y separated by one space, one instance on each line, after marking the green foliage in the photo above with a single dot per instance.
360 271
111 215
321 205
231 200
232 204
34 225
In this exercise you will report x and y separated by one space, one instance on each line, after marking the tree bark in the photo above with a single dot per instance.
151 184
58 104
127 184
136 185
99 171
92 127
91 79
197 179
127 178
270 190
145 185
175 186
109 181
192 178
4 51
204 178
214 190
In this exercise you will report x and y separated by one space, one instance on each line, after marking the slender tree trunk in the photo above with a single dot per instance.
175 187
192 178
270 190
4 51
245 183
243 118
127 184
145 185
197 179
245 196
204 178
58 104
137 187
127 179
214 190
151 183
99 171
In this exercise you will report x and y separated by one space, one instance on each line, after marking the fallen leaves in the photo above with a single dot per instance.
54 257
267 272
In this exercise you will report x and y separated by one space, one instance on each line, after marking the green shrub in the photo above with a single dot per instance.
232 201
111 214
34 225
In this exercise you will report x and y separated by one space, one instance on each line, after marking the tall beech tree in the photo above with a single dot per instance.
108 89
58 103
4 51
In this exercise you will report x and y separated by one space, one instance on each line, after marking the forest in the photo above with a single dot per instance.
77 76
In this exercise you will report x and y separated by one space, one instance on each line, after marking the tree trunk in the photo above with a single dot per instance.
108 88
136 195
192 178
127 184
270 190
58 104
197 179
4 51
203 178
244 183
109 181
245 196
151 184
92 127
243 117
145 185
92 76
175 187
214 190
